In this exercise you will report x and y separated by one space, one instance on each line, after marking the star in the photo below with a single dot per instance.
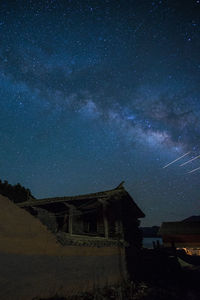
93 93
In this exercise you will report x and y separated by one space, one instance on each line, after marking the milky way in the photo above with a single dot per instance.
96 92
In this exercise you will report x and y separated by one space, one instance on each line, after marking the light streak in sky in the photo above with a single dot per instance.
176 160
187 162
194 170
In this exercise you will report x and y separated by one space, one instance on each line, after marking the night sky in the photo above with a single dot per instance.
96 92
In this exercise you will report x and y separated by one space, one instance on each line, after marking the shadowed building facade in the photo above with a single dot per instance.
105 216
85 243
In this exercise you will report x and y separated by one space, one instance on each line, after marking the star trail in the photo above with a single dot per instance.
96 92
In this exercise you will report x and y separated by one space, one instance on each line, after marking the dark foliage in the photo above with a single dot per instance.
16 193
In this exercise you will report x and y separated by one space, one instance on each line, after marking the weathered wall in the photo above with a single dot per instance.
23 277
33 264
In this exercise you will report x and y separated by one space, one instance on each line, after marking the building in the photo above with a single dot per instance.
67 245
183 235
105 216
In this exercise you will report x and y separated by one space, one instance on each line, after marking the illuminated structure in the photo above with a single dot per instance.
184 235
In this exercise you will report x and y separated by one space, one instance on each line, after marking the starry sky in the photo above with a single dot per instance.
96 92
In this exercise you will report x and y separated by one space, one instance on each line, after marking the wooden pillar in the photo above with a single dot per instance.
105 221
117 228
121 229
70 221
66 223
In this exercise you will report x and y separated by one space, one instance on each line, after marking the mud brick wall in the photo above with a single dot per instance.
33 263
23 277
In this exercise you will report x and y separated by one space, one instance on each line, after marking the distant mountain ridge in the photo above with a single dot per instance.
150 231
192 219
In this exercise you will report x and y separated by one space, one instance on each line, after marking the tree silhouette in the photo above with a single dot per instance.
16 193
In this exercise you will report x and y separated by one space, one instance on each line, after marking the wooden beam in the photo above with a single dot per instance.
103 201
69 205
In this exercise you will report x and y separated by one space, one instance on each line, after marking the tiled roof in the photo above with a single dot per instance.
116 193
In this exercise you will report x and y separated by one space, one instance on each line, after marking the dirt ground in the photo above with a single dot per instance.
185 288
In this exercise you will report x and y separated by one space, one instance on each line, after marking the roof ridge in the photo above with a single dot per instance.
119 188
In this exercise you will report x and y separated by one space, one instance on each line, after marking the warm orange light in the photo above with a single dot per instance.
191 251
